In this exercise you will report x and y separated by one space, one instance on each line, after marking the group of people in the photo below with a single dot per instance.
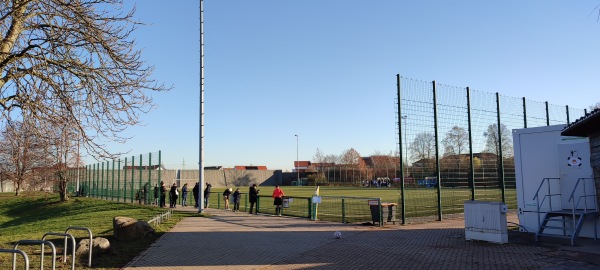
277 199
253 198
228 195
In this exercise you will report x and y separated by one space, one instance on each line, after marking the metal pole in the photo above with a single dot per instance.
437 154
472 168
125 181
400 127
297 162
568 120
112 191
118 180
132 183
524 114
201 137
500 154
547 115
103 192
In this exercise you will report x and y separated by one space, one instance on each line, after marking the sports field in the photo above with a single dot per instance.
351 204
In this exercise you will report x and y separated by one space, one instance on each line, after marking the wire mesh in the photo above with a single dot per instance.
131 179
492 119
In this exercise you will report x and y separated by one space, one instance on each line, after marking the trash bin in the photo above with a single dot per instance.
388 212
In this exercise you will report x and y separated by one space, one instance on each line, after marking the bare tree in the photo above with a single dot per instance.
423 147
352 160
22 152
332 159
595 106
73 64
319 158
64 154
456 140
493 140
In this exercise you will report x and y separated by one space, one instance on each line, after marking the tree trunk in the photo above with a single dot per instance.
62 190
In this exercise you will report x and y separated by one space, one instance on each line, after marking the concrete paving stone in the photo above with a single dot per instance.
238 240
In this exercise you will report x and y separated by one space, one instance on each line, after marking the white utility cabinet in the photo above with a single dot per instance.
541 152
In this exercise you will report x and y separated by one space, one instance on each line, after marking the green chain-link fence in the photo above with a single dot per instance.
455 144
131 179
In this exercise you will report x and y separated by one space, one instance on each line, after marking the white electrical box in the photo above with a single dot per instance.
486 221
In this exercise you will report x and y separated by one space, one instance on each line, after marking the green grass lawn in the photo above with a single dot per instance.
30 215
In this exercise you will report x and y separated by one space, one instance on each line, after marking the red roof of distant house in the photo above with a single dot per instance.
301 164
325 164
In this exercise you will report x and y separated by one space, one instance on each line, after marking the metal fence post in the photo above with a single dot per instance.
400 128
380 212
132 182
149 183
118 180
140 180
343 211
107 186
500 154
102 190
93 181
160 175
310 214
112 173
125 181
524 113
547 114
472 167
437 154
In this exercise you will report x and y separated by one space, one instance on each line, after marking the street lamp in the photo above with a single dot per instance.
297 161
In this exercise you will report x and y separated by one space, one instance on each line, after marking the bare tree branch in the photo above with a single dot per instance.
73 64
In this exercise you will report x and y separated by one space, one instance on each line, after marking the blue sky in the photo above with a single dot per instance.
325 70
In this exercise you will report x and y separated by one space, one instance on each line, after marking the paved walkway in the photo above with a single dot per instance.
238 240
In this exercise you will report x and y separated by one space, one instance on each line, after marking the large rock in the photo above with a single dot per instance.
125 228
100 246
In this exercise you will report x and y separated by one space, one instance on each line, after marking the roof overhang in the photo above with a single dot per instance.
584 126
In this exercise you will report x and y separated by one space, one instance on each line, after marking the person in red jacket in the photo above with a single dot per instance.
278 199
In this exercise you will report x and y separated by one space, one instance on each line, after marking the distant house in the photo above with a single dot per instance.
301 166
250 168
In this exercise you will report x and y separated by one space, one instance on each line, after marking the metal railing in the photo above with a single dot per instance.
36 242
16 251
159 219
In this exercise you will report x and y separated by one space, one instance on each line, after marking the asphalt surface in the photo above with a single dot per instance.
238 240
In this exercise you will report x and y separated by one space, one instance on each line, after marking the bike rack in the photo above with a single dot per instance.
91 241
36 242
15 251
65 235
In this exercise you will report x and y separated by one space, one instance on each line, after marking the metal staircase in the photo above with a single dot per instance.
561 222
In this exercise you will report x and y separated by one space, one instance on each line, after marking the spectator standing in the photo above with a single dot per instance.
207 194
163 194
226 195
278 199
184 192
253 197
237 196
196 192
173 195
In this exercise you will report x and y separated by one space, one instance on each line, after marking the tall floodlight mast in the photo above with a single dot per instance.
201 137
